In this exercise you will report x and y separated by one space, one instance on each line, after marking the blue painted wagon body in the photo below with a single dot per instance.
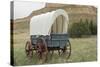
53 41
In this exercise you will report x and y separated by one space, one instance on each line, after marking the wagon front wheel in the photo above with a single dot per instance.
28 49
67 50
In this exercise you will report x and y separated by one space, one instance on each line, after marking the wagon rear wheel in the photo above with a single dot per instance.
67 50
28 49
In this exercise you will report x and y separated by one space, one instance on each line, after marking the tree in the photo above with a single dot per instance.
80 28
93 27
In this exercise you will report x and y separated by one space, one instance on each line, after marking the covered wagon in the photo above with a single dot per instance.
52 28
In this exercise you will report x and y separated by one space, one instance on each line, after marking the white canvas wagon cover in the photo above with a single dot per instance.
41 24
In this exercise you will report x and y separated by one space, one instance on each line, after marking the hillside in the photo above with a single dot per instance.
75 13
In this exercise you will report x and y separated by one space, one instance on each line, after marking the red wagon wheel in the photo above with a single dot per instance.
29 49
41 49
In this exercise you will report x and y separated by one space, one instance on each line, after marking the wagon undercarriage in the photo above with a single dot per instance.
58 43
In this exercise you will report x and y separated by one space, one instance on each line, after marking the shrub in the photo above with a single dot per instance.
93 28
82 28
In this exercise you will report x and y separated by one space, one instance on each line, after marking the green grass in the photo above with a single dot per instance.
83 49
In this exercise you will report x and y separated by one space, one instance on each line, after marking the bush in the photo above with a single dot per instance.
82 28
74 30
93 28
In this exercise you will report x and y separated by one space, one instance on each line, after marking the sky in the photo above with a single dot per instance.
24 8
